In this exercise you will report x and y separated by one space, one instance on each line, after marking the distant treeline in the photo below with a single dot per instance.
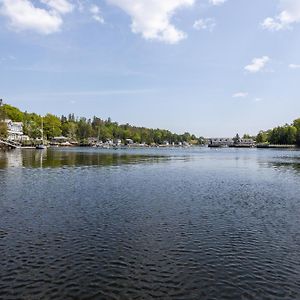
289 134
81 129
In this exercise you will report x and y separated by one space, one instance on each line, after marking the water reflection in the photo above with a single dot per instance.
53 158
282 162
294 166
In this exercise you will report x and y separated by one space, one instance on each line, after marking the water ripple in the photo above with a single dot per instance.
198 228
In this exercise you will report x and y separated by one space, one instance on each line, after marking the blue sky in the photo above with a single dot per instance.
210 67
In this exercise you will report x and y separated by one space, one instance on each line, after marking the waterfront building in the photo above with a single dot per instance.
245 143
15 131
229 142
117 142
60 141
110 142
129 141
92 140
220 142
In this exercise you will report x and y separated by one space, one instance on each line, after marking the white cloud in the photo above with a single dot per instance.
23 15
61 6
96 13
257 64
240 95
217 2
289 15
294 66
152 18
257 99
205 24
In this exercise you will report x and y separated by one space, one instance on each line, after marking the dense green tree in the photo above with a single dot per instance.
296 123
69 129
3 127
12 113
3 130
291 135
262 137
52 126
84 130
281 135
32 125
298 138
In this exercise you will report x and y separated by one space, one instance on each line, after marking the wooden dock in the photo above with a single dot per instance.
9 144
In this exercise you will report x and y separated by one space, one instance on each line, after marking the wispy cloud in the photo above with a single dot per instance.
96 13
240 95
245 95
257 64
7 58
289 15
61 6
205 24
217 2
294 66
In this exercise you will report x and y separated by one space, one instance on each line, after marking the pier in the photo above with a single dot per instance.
9 144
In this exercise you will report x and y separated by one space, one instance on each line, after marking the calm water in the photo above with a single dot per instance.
150 224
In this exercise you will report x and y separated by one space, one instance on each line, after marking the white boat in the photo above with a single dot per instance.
41 147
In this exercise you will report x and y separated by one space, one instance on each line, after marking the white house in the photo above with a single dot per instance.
15 131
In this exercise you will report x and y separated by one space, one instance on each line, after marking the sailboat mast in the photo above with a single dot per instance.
42 131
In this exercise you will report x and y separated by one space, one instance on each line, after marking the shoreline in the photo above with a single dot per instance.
292 147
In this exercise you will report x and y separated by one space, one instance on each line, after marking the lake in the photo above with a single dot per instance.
195 223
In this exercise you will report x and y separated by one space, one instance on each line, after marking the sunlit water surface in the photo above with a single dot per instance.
150 224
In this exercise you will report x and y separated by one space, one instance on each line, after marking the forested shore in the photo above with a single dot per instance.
288 134
81 129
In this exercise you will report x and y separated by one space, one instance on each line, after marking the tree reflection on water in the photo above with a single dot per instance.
57 158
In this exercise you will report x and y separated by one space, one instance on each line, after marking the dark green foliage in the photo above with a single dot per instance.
262 137
298 138
281 135
3 127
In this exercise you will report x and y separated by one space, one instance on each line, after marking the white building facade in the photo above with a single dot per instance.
15 131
